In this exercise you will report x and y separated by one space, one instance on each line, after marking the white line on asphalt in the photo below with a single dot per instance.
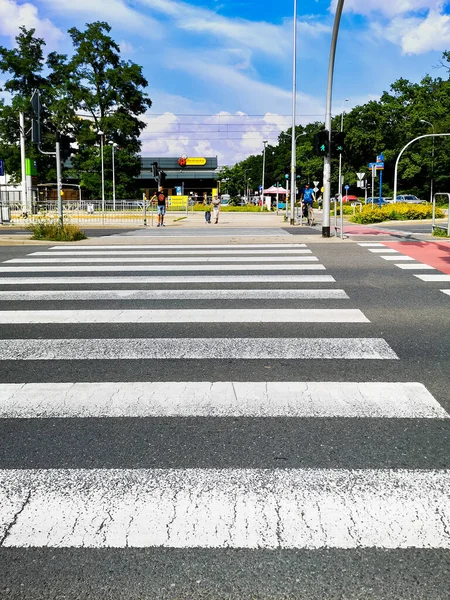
208 294
142 279
371 244
170 252
152 247
416 266
196 348
397 258
161 267
383 250
446 292
208 315
441 277
164 259
225 508
218 399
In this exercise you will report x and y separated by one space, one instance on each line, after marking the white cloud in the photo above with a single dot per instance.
388 8
117 13
262 36
417 36
13 15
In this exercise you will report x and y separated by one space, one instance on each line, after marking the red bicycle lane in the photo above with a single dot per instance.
435 254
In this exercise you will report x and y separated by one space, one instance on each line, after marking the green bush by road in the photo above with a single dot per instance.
395 212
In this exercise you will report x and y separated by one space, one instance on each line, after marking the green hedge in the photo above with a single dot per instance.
395 212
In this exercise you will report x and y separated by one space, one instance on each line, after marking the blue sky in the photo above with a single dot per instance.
220 71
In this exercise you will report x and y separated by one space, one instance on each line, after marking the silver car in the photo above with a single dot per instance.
409 199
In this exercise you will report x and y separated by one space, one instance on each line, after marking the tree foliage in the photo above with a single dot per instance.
91 91
383 126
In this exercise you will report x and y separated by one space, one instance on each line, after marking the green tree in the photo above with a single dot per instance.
98 91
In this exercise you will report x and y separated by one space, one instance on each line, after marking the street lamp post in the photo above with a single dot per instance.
432 161
101 134
421 137
327 159
113 147
294 104
340 153
263 174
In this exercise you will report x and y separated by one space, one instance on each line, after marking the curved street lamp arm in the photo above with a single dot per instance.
433 135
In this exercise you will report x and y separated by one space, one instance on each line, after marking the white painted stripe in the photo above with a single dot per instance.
160 267
218 399
383 250
160 252
397 257
371 244
209 315
207 294
196 348
225 508
415 266
142 279
435 278
164 259
151 246
446 292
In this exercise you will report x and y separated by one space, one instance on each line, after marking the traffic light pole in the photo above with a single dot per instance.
327 160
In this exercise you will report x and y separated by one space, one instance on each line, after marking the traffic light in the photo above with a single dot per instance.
65 148
155 170
338 142
322 143
162 177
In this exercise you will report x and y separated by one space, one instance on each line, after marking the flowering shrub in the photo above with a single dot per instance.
395 212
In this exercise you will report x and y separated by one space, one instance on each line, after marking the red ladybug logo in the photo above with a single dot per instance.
182 161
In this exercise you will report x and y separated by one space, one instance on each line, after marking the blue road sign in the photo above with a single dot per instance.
377 165
346 188
2 167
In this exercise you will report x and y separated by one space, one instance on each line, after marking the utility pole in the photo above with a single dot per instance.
327 158
23 163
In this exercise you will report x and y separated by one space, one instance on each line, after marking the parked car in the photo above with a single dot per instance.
409 199
379 201
349 199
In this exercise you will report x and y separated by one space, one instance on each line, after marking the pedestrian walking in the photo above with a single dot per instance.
216 208
161 200
208 215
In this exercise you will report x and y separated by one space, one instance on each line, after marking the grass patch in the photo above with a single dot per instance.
53 231
440 232
395 212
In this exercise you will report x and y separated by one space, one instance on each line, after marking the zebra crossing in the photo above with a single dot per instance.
407 263
203 507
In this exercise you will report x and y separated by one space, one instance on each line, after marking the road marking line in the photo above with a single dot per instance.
179 246
208 294
208 315
196 348
164 259
383 250
371 244
446 292
219 399
397 258
142 279
435 278
152 252
415 266
169 267
225 508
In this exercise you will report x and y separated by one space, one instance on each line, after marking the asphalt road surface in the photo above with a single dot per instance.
262 421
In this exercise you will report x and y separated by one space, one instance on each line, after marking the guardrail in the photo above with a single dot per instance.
433 218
